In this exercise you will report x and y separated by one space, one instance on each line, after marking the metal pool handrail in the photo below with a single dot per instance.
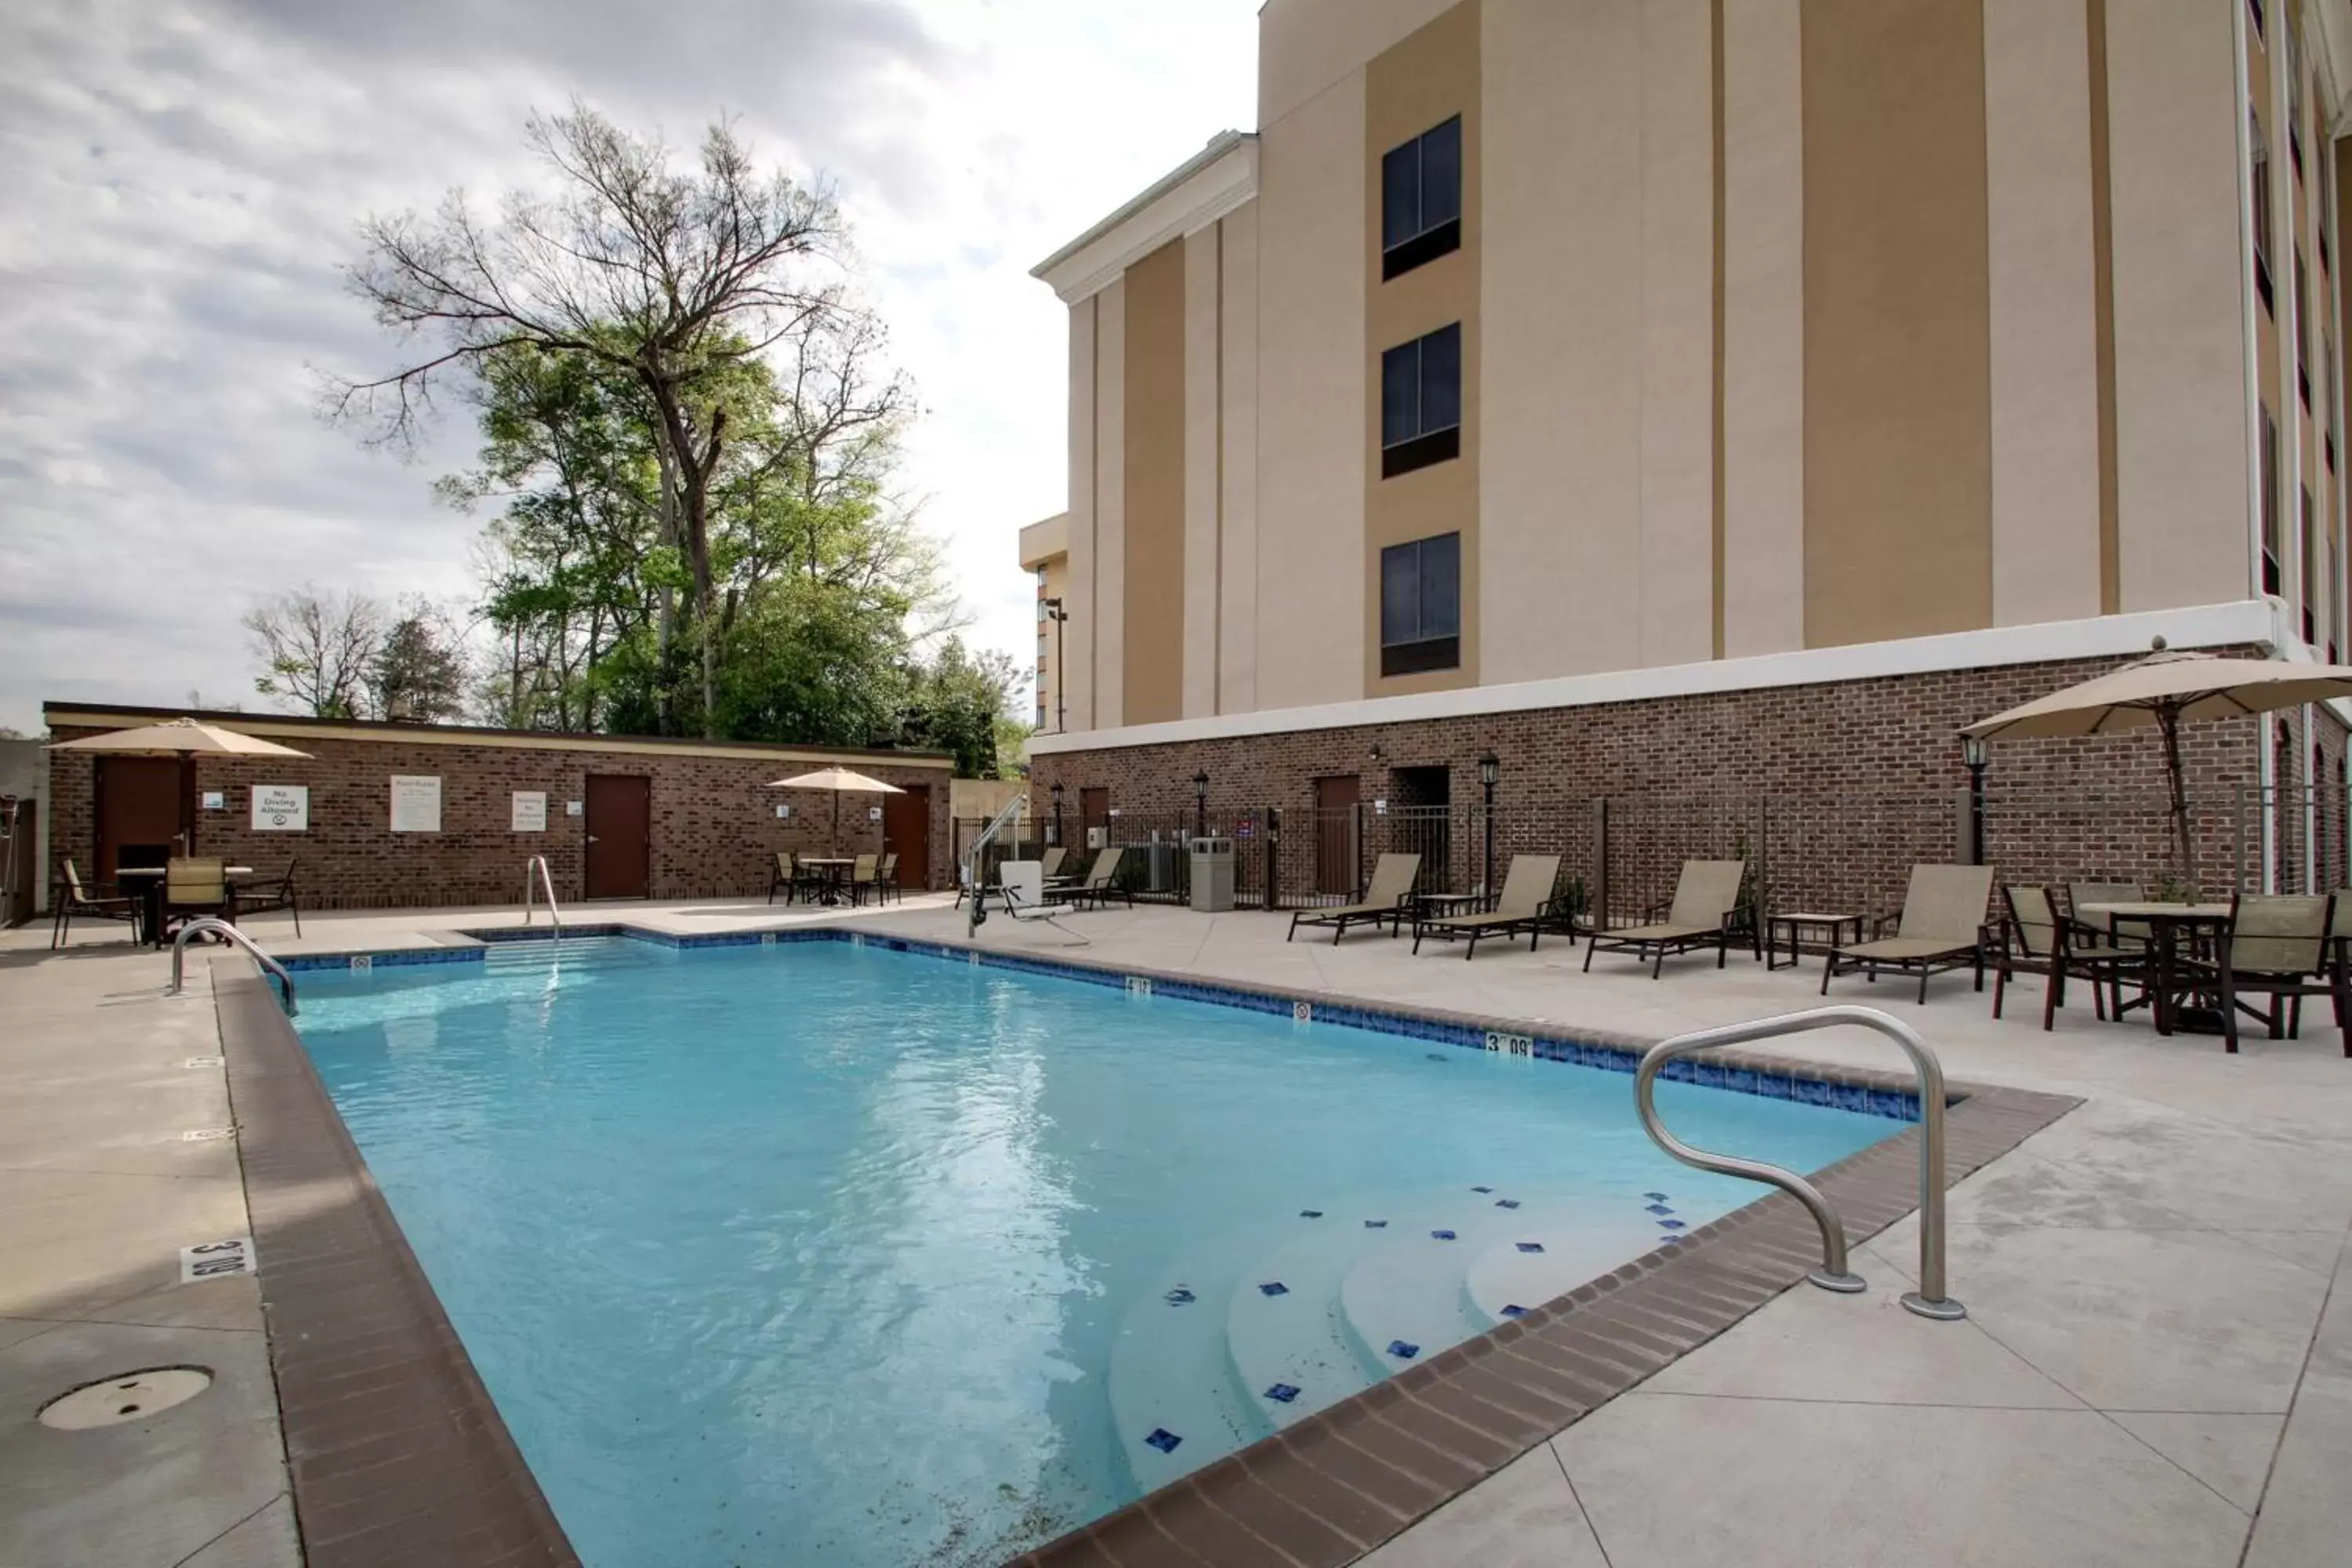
210 926
1928 1301
538 863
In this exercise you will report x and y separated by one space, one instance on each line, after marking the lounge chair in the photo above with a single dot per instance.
1100 884
2037 939
1525 904
1049 864
1389 898
260 898
2276 946
1705 913
72 899
1942 927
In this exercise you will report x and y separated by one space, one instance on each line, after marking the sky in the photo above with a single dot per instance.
179 187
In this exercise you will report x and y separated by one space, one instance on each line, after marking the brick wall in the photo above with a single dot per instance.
714 822
1858 780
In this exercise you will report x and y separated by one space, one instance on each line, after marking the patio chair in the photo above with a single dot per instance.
886 877
2079 894
861 877
1705 913
2278 946
786 877
195 887
1389 898
71 899
1524 905
260 898
1942 927
1100 884
2037 939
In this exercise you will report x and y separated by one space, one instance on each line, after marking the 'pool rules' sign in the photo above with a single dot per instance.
281 808
416 802
531 811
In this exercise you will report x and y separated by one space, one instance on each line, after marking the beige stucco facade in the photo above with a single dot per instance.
1785 325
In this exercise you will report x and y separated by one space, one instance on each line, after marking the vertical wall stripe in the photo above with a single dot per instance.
1153 576
2103 307
1897 321
1714 83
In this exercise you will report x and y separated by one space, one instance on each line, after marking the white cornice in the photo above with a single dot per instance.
2245 622
1213 182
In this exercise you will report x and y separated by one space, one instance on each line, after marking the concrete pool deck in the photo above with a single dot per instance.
2156 1367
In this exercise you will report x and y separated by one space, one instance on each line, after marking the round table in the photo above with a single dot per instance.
2166 924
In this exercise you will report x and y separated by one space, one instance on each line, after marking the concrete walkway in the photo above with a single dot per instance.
2157 1368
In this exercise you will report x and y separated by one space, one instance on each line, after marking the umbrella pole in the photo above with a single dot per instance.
2167 721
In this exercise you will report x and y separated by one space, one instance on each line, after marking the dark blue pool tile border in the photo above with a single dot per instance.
1863 1092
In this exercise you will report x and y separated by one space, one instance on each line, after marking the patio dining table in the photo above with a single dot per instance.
2167 925
834 869
146 884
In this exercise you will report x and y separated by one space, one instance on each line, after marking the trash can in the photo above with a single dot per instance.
1212 875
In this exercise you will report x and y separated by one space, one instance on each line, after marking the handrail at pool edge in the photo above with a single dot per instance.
538 863
1928 1301
211 926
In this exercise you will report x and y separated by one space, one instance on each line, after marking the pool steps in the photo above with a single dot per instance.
1200 1368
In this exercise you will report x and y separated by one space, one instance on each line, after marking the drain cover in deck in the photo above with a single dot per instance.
126 1396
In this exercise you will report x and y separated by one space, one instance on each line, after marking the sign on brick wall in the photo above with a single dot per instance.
531 811
416 802
281 808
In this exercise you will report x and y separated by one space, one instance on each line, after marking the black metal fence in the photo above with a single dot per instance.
1621 856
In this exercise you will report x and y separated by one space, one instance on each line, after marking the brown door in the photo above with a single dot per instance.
140 809
620 837
1336 799
906 833
1094 811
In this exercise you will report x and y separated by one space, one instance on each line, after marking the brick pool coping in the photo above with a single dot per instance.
398 1454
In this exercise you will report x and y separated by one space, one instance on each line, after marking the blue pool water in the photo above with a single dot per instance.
832 1254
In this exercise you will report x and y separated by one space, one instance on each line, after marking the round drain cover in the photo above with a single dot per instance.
126 1396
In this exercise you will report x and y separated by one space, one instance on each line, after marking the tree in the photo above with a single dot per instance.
674 281
419 669
316 650
959 702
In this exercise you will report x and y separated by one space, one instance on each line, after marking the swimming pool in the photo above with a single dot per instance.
832 1253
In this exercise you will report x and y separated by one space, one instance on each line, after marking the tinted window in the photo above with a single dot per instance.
1421 604
1421 199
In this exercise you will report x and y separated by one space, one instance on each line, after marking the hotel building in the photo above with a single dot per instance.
1704 394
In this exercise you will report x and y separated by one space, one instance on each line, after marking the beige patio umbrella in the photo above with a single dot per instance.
841 782
2164 689
184 739
178 737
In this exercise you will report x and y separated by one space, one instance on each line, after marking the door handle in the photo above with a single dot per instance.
592 839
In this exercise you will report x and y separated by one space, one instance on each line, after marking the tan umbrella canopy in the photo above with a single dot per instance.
2163 689
178 737
840 781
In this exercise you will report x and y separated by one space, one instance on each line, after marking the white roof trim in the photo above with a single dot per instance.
1213 182
2248 621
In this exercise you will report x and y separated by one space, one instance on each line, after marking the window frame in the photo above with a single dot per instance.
2259 154
1428 239
1425 443
1428 648
2273 582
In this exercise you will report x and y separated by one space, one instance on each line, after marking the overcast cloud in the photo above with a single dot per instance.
178 186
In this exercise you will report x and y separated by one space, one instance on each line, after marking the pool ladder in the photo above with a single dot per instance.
1928 1301
209 926
536 880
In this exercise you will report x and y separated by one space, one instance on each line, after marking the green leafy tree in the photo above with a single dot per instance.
959 702
419 669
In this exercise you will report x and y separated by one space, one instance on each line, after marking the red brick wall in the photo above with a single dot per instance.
1861 779
714 823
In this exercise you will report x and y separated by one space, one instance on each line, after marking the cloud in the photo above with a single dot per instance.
179 180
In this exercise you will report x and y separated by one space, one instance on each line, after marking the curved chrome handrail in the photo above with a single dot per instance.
213 927
539 863
1928 1301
